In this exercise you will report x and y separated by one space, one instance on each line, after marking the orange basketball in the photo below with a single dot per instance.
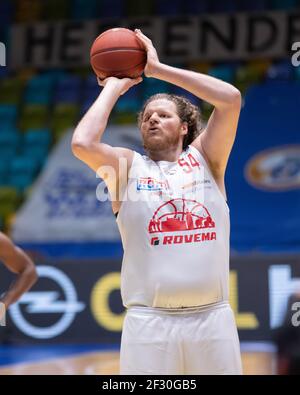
118 53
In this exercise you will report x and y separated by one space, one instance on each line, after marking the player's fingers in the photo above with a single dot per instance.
100 82
142 41
143 37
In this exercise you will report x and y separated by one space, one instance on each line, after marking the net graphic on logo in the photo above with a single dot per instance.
179 215
2 314
2 55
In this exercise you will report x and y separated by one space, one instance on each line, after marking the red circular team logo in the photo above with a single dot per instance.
179 215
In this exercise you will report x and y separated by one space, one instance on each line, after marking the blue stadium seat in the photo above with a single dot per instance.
283 70
69 82
8 128
86 105
90 93
9 144
88 98
21 181
24 165
131 100
66 96
55 74
128 105
4 168
38 153
42 81
37 137
36 144
68 89
90 90
8 153
7 124
39 90
151 86
8 112
91 81
11 137
223 72
38 96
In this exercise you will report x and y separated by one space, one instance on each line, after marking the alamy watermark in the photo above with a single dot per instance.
161 186
2 314
296 56
296 315
2 54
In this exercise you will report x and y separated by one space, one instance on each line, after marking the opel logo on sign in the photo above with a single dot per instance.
47 302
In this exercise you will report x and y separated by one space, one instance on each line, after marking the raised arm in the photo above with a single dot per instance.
86 143
19 263
216 141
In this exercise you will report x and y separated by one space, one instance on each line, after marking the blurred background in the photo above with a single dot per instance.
71 320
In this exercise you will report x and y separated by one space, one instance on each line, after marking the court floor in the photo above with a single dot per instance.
83 360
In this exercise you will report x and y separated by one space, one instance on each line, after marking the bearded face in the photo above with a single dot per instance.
161 126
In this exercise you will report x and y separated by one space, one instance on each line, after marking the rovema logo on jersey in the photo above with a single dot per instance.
178 216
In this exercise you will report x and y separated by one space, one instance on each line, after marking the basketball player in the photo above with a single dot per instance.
15 259
174 280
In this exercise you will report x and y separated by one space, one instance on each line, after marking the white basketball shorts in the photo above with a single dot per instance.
195 341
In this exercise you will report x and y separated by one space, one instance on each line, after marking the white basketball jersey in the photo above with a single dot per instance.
174 225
